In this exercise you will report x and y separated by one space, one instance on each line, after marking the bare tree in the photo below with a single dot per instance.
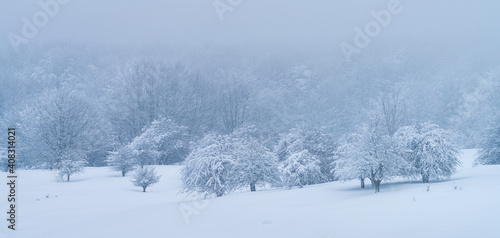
234 106
139 96
394 112
200 105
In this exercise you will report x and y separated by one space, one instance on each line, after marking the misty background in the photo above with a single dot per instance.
450 25
277 62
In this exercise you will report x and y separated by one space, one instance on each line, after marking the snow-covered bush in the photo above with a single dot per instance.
164 142
145 177
300 169
208 167
429 150
318 144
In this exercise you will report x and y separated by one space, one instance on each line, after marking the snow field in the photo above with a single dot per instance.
101 203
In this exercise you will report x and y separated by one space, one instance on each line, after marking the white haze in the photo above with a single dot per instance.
323 24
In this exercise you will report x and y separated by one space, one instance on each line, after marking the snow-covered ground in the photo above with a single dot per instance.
101 203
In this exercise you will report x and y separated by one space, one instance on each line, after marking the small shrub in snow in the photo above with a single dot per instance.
145 177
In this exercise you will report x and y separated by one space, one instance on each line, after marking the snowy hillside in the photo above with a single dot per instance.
258 119
100 203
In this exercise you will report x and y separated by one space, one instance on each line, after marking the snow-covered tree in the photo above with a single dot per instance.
290 143
164 142
123 160
369 153
490 153
208 167
145 177
300 169
254 163
429 150
323 147
59 125
316 143
351 161
222 163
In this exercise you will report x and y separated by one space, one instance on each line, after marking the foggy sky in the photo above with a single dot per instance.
294 23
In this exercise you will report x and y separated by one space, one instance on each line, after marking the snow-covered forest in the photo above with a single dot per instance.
279 120
280 110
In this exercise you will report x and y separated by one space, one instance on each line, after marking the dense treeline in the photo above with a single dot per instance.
78 106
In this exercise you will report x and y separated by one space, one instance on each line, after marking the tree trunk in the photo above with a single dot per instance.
67 179
252 187
362 182
143 189
377 185
123 173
